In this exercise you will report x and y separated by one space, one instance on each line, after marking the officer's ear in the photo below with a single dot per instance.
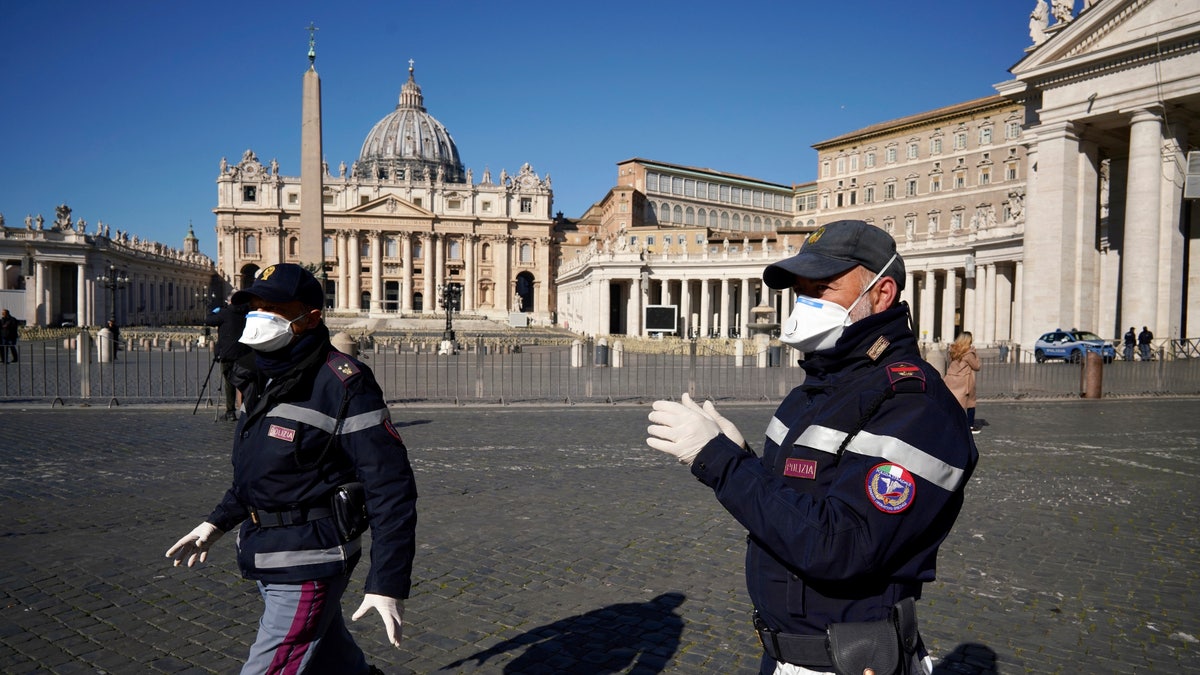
310 320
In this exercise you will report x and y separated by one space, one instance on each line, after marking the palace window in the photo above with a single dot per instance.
526 205
249 193
526 253
251 245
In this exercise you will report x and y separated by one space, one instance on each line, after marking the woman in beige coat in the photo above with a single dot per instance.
960 375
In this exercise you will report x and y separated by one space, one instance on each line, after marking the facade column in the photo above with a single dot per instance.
723 321
428 301
439 259
354 292
376 239
1139 259
470 273
928 304
504 283
343 272
406 279
906 295
705 307
949 305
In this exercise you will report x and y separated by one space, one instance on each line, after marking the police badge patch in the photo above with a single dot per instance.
891 488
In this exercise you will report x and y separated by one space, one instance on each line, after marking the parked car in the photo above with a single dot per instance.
1071 345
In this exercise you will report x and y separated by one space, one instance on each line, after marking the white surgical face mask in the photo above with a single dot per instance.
267 332
815 324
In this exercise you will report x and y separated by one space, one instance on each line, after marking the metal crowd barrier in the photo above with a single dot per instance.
148 371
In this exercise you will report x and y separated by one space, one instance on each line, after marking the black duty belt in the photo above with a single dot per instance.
297 516
810 651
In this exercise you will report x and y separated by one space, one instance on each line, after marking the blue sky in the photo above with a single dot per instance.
123 110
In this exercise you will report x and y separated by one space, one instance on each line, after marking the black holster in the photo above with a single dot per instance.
886 647
349 505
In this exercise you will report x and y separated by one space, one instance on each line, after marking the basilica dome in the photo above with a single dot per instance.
409 144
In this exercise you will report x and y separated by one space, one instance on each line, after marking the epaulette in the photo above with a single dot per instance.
342 366
905 378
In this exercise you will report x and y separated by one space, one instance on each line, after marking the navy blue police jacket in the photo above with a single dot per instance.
283 460
843 537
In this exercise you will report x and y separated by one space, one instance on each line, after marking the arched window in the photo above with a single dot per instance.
725 220
677 214
391 248
294 246
664 213
328 247
486 252
702 218
526 253
251 245
689 216
737 221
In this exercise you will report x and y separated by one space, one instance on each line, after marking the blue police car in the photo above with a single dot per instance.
1071 345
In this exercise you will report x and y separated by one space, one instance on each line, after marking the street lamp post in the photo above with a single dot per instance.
449 295
112 279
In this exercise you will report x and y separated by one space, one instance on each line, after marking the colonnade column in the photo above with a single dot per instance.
82 315
1003 295
928 304
744 319
376 239
723 320
968 308
634 307
604 308
1139 260
685 308
503 282
949 300
982 291
406 275
705 307
40 316
1015 332
989 306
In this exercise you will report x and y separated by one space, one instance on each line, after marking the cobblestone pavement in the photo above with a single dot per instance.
551 540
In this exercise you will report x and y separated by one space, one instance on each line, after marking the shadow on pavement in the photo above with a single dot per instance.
969 658
625 638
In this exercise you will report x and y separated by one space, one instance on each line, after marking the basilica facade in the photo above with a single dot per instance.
403 222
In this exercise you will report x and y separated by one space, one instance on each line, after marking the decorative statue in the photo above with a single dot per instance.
487 176
274 167
341 169
28 222
224 166
40 221
62 216
503 177
80 225
1039 20
470 177
1062 10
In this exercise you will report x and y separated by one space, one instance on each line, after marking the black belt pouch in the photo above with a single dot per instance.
886 647
349 505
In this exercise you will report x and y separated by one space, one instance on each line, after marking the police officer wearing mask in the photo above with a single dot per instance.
315 459
862 472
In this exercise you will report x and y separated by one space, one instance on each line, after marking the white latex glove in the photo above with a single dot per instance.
195 545
727 427
392 611
680 429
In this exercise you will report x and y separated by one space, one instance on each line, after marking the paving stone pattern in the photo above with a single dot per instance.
552 540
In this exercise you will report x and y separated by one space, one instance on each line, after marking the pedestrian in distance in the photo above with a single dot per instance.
230 321
316 460
960 375
862 470
1130 341
1144 339
114 338
9 333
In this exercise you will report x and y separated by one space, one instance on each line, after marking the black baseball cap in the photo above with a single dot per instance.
284 282
834 248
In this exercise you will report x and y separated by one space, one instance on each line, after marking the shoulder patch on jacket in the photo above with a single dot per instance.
905 378
342 366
